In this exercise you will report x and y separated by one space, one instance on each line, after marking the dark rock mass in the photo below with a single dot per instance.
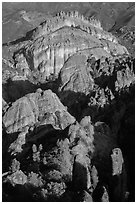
68 102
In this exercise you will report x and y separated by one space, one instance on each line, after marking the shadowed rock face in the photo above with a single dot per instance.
68 91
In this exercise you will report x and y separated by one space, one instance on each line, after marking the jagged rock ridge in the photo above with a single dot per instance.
59 38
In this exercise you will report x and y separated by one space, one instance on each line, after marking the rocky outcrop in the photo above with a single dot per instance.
65 106
117 161
76 20
17 177
68 165
75 75
58 38
41 107
101 82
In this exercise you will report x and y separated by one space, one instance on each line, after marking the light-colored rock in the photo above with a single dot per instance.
75 75
94 177
60 37
117 161
27 110
105 196
16 146
87 197
20 115
17 177
53 111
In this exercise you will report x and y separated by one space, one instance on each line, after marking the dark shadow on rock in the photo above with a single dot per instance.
103 81
79 179
75 102
126 141
122 127
47 135
19 193
13 90
7 139
98 192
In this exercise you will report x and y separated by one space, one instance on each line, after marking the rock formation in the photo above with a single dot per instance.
37 108
58 38
68 91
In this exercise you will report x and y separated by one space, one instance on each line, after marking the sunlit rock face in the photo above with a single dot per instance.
59 38
75 75
42 108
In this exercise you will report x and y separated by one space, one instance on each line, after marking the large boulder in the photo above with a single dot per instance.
42 108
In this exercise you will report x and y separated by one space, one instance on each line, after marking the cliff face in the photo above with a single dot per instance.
58 38
68 87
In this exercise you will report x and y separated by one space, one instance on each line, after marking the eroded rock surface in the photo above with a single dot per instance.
68 91
41 107
58 38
